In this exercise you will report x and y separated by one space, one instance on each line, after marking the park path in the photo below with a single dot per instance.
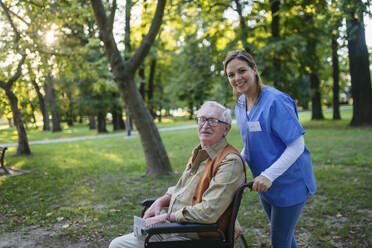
124 134
133 133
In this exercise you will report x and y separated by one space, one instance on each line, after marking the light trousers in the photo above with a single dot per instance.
131 241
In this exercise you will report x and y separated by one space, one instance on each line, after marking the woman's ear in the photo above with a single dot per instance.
255 68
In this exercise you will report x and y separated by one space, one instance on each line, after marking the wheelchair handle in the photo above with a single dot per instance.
250 184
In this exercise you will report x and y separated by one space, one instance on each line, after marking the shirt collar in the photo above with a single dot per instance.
211 151
216 148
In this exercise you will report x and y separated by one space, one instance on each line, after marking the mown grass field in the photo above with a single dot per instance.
85 193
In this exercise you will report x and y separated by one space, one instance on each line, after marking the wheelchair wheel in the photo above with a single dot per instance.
242 242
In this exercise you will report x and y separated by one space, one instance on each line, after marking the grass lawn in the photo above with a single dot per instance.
85 193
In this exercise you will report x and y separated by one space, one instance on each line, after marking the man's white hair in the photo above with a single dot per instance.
226 113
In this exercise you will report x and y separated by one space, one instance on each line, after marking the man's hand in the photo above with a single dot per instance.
261 184
155 208
155 220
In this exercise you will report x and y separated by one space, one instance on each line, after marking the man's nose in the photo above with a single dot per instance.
206 122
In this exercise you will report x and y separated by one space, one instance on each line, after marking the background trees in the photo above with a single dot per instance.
359 64
14 51
123 73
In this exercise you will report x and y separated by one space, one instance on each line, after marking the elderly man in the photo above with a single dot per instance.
206 188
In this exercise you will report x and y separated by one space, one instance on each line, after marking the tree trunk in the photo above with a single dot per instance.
243 27
53 106
161 93
159 117
23 147
315 95
33 110
150 92
127 52
69 119
359 71
305 106
128 10
115 120
70 113
336 80
275 32
10 122
156 156
43 107
191 110
70 110
121 121
117 117
316 108
101 119
123 73
128 121
92 122
141 74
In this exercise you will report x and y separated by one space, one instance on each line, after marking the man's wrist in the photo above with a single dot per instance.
168 218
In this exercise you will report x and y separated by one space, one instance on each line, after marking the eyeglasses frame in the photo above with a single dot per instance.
208 119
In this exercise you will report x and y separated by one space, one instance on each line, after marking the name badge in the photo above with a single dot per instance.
254 126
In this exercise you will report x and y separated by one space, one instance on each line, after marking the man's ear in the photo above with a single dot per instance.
226 131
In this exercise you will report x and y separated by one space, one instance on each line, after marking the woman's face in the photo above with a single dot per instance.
241 76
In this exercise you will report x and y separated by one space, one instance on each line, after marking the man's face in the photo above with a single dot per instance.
210 135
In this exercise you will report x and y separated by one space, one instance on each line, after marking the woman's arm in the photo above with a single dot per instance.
288 157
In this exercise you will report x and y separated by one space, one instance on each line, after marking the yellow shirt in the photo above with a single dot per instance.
217 197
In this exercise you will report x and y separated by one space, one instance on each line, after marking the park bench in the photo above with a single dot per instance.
2 155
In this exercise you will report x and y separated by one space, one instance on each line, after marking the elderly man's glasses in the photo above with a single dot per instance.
211 121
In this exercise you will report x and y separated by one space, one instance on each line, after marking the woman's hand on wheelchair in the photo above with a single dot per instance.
261 184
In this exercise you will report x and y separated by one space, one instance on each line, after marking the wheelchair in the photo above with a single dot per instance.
225 240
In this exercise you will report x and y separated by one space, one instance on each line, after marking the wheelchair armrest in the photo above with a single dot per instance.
180 228
147 202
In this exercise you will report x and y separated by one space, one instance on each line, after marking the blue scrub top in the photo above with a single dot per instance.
270 126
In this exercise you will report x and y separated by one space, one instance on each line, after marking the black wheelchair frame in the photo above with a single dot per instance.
225 240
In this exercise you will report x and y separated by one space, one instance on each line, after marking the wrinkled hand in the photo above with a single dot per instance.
153 210
155 220
261 184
